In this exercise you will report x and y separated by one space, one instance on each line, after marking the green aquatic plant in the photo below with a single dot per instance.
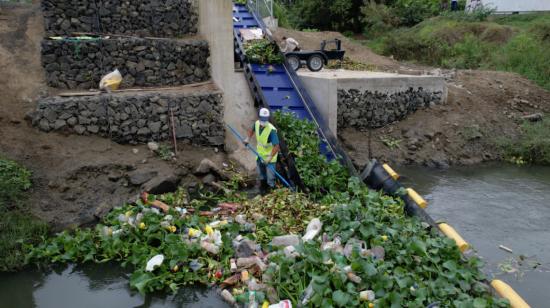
317 173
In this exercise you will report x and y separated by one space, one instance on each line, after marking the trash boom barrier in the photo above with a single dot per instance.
451 233
504 290
379 177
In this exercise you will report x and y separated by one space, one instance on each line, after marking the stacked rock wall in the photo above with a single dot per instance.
136 118
366 109
80 64
158 18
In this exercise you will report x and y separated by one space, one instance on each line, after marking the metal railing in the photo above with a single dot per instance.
262 8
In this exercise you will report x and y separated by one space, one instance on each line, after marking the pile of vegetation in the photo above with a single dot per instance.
532 146
517 43
263 52
349 64
318 174
17 226
364 250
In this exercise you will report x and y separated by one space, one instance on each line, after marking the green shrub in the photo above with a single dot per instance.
404 46
527 55
533 146
14 180
412 12
16 230
471 53
378 19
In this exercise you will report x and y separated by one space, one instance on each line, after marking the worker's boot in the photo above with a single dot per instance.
263 187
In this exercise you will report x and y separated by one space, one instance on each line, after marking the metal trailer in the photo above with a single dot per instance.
316 59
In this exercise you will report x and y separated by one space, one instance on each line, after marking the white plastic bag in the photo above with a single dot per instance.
313 228
154 262
111 81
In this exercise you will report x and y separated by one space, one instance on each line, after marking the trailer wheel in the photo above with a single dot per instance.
315 63
294 62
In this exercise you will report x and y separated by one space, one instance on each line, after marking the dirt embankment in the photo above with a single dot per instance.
75 178
482 107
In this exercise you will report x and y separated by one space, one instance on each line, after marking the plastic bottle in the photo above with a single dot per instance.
246 262
245 276
233 265
211 248
226 295
252 303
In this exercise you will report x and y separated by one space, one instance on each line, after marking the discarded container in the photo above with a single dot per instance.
286 240
313 228
290 252
354 278
194 232
195 265
211 248
282 304
246 262
226 295
240 219
367 295
245 276
253 285
252 303
232 265
154 262
122 218
209 230
218 223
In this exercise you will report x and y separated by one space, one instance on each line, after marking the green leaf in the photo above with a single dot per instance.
418 247
140 281
480 303
340 298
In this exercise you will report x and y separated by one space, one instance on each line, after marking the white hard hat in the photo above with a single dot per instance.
264 114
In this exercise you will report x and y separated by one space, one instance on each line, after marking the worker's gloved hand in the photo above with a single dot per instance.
246 141
269 159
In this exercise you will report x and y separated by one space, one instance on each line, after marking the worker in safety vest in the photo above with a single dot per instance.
267 147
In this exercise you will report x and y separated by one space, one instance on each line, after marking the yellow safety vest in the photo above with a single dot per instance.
264 148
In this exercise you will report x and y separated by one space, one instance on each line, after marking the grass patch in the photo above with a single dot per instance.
17 227
517 44
533 145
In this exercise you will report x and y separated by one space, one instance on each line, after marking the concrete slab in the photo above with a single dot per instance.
379 81
326 88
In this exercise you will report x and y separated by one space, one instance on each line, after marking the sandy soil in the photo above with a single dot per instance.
482 106
74 177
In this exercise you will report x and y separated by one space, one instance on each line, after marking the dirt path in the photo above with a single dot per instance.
482 107
74 177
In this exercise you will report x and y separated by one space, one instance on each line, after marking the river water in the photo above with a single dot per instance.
488 205
90 286
492 205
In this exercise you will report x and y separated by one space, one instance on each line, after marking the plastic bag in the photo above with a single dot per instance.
313 228
154 262
111 81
